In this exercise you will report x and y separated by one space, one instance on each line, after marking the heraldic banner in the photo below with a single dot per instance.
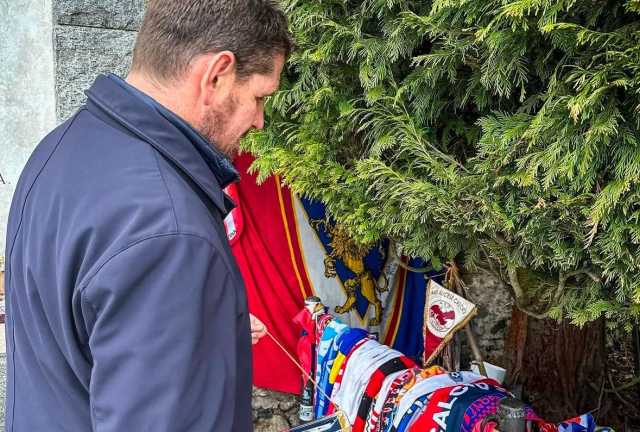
287 249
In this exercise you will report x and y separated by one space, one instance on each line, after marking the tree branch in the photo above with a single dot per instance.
615 391
394 253
586 271
562 281
564 277
520 296
515 284
628 385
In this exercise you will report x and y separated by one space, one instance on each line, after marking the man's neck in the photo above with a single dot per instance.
171 99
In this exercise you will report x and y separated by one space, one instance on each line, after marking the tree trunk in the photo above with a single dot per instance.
560 366
636 349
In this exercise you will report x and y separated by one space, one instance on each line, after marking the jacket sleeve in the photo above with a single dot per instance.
165 336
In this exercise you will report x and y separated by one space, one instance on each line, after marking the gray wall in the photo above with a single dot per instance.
27 99
51 52
91 37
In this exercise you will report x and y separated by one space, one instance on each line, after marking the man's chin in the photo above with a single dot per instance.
231 151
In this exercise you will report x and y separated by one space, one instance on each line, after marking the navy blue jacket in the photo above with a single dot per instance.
125 308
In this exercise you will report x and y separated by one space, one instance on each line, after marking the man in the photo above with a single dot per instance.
126 311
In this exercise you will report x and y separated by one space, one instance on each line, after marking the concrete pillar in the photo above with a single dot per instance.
27 90
50 52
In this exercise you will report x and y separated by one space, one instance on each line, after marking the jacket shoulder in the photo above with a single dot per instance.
99 189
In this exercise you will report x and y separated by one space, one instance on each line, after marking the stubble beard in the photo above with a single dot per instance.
215 128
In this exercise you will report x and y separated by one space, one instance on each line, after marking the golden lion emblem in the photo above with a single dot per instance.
352 255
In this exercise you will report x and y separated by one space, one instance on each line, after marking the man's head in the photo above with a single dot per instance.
212 62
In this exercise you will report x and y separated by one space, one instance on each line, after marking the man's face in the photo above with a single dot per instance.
243 110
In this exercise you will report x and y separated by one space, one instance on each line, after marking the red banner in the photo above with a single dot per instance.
268 256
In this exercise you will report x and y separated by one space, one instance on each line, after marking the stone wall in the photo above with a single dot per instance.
492 296
274 412
91 37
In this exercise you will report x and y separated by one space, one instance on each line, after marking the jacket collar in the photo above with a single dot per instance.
167 133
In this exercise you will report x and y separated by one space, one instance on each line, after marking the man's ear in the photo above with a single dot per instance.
218 76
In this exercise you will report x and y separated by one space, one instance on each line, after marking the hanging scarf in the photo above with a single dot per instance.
374 386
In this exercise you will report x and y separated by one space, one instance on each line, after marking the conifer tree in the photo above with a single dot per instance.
500 134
